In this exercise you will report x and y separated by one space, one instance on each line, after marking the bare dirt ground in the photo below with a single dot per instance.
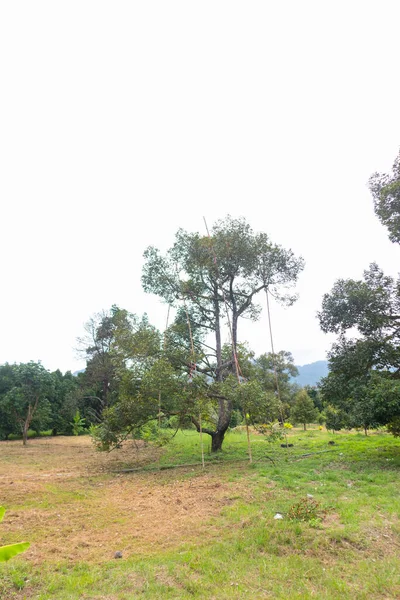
64 497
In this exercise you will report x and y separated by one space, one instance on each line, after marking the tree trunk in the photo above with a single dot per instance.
218 342
366 430
234 345
25 433
305 426
28 420
217 439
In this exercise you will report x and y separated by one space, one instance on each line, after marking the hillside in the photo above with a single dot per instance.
311 374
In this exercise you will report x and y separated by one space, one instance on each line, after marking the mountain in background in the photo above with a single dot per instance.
76 373
312 373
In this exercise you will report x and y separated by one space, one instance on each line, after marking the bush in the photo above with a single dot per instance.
335 419
78 424
236 419
394 427
152 433
306 509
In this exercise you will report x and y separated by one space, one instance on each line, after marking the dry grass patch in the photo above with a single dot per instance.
62 496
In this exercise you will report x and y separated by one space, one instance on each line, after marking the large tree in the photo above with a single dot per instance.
213 281
365 371
361 367
64 401
115 342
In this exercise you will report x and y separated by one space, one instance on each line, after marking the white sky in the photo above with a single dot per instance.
122 121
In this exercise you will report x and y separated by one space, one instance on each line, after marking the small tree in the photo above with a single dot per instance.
335 419
28 399
78 424
303 410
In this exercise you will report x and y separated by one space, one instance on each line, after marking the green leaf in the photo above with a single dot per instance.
7 552
2 512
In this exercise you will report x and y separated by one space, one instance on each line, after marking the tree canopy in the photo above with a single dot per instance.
385 189
362 387
26 400
214 281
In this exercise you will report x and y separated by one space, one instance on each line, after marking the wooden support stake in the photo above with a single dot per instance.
248 442
201 442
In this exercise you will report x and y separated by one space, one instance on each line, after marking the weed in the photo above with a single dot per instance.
306 509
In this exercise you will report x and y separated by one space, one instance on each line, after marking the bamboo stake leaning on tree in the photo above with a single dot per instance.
275 371
193 367
238 371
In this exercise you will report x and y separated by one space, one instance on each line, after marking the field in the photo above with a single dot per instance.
186 532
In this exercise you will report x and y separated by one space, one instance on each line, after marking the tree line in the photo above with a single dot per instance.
197 372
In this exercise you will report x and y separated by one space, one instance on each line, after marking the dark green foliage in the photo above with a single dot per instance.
364 372
25 402
315 396
236 418
394 426
335 418
8 422
118 347
64 402
371 305
303 411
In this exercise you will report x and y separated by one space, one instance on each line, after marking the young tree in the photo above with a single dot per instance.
274 372
218 278
303 411
335 419
348 384
28 398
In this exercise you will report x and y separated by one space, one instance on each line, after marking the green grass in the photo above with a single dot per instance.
31 434
350 551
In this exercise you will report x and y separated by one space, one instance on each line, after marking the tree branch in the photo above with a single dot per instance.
203 429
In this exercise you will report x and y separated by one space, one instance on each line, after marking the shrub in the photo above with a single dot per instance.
306 509
78 424
394 427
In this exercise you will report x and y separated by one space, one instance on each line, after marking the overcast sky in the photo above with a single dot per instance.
123 121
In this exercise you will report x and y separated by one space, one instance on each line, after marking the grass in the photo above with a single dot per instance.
185 533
